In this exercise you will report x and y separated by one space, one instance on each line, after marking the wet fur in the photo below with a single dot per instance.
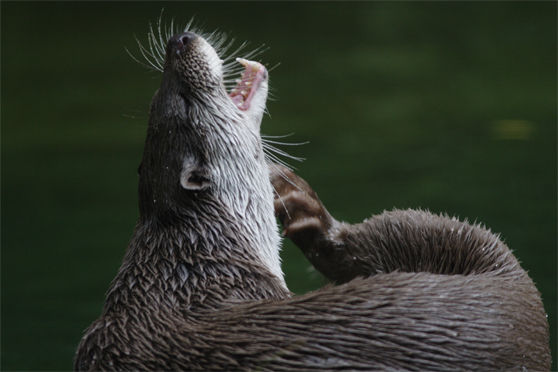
199 289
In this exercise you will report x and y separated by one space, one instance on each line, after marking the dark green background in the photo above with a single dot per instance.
449 107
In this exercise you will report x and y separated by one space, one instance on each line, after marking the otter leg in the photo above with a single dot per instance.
309 225
400 240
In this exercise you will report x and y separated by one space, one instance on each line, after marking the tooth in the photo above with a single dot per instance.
238 81
255 66
244 93
248 83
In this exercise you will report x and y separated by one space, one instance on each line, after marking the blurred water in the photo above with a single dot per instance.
443 106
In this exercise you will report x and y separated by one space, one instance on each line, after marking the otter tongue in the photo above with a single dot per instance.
248 83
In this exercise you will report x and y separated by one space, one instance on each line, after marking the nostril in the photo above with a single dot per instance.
186 38
179 41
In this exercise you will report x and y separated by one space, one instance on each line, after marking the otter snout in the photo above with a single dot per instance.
180 41
192 63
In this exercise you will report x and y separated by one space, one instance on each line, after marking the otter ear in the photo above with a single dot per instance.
194 177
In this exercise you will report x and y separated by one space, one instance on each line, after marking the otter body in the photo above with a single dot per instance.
201 288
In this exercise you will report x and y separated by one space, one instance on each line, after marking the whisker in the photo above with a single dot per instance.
280 136
161 41
274 159
170 31
188 25
277 151
150 67
282 203
271 96
149 58
267 111
285 177
283 143
274 67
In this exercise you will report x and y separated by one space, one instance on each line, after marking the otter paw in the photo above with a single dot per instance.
302 214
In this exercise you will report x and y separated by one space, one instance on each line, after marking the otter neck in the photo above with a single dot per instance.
187 240
243 183
225 142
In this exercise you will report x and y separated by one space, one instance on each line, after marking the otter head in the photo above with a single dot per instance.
203 153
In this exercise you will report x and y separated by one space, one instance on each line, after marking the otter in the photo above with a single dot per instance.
201 287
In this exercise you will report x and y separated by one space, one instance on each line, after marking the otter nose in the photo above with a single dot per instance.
179 41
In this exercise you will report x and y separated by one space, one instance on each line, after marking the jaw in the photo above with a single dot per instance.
250 93
250 87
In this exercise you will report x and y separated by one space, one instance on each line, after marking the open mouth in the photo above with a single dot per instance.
248 83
